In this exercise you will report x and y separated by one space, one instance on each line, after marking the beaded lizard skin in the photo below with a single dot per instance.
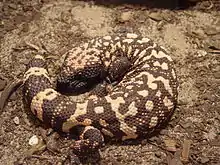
142 101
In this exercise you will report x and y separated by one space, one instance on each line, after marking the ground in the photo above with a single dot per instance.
191 35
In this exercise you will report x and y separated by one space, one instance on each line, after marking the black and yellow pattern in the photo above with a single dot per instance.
142 101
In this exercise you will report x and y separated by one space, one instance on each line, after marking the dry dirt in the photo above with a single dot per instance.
191 35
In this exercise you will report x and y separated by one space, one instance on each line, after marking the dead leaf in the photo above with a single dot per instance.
186 149
156 16
170 145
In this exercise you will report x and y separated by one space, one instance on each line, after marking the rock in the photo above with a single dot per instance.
156 16
16 120
33 140
126 16
13 96
217 75
202 53
204 160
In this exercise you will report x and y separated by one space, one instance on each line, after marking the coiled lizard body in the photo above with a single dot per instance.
141 102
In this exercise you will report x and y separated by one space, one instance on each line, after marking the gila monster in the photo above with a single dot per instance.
142 100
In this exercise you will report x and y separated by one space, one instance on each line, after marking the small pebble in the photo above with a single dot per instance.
158 154
216 72
156 16
204 160
13 96
33 140
164 132
16 120
126 16
217 75
202 53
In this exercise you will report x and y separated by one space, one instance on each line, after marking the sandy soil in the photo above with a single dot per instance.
191 35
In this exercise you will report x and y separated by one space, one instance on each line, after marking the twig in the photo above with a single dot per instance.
10 88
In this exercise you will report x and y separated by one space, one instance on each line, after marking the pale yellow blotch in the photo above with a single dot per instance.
128 41
107 37
37 72
86 45
143 93
164 65
115 104
163 48
130 132
117 38
99 110
103 123
107 63
39 57
156 63
129 50
113 58
106 43
149 105
97 44
152 81
173 73
81 109
146 66
158 94
70 123
132 110
92 41
118 44
168 103
142 53
93 97
139 82
123 48
143 40
86 122
107 54
136 52
113 48
150 55
132 35
107 132
129 87
153 122
37 101
160 54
